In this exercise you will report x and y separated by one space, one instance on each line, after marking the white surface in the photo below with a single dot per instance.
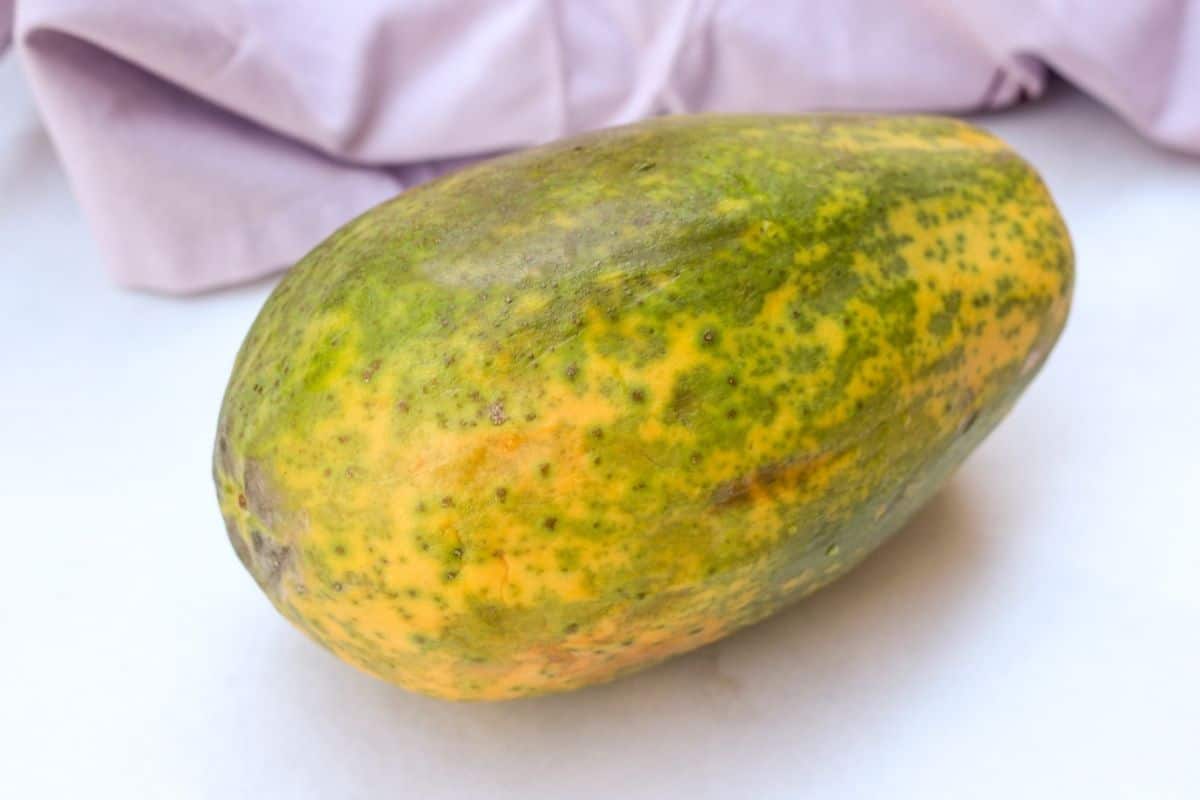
1035 633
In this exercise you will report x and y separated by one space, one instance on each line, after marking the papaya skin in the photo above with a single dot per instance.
567 413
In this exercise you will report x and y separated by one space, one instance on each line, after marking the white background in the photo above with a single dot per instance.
1034 633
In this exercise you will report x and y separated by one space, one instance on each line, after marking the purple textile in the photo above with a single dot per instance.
213 142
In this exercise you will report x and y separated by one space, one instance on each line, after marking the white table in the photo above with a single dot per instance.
1034 633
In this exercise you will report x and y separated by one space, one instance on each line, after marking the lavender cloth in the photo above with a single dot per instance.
213 142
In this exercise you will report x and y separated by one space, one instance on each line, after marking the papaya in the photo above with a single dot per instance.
564 414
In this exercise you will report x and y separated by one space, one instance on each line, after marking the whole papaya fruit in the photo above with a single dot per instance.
569 412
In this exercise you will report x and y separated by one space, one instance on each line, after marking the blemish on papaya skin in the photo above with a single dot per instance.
370 371
789 474
786 333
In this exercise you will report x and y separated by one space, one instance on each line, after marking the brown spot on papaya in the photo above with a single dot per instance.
370 371
782 475
267 562
224 460
728 493
261 497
